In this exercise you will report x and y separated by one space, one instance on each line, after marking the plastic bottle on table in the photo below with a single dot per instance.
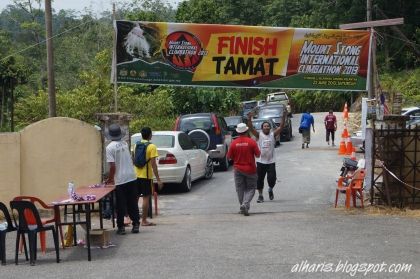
70 189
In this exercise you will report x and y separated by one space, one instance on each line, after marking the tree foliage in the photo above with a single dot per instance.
83 46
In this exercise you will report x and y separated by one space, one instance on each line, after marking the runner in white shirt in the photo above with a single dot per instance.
266 164
121 173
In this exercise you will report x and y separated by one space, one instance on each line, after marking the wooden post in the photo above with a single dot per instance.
50 60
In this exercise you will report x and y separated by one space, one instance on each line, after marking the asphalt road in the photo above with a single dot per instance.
201 235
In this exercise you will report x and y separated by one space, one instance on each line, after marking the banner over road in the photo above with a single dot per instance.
241 56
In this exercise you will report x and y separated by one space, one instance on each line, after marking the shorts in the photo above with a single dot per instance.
144 187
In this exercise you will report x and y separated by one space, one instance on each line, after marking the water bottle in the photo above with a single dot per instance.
3 226
70 189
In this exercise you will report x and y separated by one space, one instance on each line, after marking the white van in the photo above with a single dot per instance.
279 97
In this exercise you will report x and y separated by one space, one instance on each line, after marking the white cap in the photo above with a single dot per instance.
241 128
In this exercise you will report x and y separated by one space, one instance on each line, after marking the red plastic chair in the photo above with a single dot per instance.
351 185
357 186
31 219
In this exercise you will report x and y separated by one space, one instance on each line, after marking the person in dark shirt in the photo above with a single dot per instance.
243 151
330 122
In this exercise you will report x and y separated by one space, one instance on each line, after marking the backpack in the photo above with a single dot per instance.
140 154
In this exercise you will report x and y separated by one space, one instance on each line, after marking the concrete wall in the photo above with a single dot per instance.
45 156
9 166
55 151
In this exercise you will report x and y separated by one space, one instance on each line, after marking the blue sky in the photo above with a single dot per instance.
97 6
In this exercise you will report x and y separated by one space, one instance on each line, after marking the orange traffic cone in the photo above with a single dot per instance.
349 146
342 149
345 132
345 112
353 154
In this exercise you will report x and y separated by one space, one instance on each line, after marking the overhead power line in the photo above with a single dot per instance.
44 41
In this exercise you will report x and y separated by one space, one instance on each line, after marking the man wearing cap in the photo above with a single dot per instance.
266 164
121 173
243 151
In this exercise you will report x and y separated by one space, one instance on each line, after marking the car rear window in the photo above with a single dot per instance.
197 122
271 112
135 139
163 141
250 105
233 120
278 98
257 123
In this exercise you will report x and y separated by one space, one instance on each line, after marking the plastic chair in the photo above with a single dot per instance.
44 221
10 228
357 186
351 185
25 209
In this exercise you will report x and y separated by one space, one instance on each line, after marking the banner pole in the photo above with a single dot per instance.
114 64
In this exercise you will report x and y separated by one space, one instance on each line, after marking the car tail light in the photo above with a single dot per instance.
176 124
216 125
168 159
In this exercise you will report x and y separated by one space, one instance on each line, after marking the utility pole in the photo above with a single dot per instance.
371 90
114 64
371 25
50 60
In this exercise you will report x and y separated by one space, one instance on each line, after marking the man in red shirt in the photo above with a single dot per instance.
330 122
243 151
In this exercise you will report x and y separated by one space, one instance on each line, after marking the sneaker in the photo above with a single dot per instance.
333 144
246 213
242 209
121 231
328 142
260 199
270 194
136 228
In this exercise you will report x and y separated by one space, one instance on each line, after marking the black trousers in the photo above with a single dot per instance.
332 132
127 203
262 170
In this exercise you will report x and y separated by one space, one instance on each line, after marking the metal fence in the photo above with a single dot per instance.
396 165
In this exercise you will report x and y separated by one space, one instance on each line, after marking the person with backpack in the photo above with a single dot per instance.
122 175
145 166
306 122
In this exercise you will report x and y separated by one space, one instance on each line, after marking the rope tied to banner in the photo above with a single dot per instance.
396 178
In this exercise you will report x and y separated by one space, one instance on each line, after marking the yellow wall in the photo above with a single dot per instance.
9 166
41 159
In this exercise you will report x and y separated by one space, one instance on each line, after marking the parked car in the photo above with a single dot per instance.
411 111
179 161
247 106
210 132
414 114
261 103
232 122
275 112
257 122
413 123
279 98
